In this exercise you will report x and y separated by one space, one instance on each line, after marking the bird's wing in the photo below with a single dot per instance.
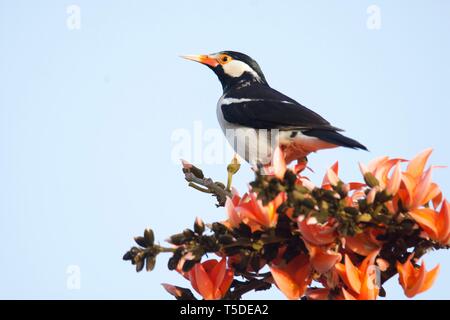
262 107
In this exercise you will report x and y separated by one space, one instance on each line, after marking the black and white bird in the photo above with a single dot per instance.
250 108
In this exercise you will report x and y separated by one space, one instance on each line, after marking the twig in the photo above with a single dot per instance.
212 187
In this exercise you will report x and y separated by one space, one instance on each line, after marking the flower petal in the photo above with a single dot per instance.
315 233
233 217
353 275
362 244
443 223
394 182
292 278
417 164
334 173
286 283
430 277
217 274
279 164
322 259
348 295
330 178
203 283
426 219
422 189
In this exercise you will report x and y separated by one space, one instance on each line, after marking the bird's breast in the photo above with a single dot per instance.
251 144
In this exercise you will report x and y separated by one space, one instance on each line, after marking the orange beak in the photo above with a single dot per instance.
203 59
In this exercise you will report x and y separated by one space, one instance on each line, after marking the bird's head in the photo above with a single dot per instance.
231 67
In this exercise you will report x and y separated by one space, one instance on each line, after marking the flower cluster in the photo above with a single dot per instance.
334 241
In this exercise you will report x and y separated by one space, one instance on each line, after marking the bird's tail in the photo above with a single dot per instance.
335 138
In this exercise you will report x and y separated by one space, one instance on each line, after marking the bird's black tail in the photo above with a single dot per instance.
335 138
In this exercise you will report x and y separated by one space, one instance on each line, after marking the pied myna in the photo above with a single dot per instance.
249 111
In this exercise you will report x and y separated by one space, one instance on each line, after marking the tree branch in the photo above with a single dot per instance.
215 188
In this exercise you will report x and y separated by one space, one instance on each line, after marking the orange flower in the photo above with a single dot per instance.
393 184
316 233
234 218
418 189
292 278
364 243
331 177
417 164
380 169
360 281
435 224
252 209
322 258
211 279
370 198
415 280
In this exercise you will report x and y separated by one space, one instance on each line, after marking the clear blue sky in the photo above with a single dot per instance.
86 119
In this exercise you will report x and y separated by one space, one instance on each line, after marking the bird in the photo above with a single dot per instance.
256 118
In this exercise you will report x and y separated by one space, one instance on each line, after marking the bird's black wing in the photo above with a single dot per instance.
261 107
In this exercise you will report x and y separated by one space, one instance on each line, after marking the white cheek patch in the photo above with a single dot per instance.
236 68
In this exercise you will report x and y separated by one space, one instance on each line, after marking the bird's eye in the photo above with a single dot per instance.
224 59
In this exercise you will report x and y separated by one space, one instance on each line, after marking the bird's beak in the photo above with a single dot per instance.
203 59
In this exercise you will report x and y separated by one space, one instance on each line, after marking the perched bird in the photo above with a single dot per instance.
250 111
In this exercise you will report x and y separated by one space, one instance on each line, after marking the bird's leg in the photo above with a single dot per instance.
232 168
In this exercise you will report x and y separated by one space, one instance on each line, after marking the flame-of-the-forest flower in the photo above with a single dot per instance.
315 233
322 258
364 243
211 279
331 176
331 179
435 224
370 198
293 277
415 280
361 282
234 218
251 211
380 169
418 189
395 180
